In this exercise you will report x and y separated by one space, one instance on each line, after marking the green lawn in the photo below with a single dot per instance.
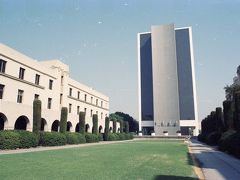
133 160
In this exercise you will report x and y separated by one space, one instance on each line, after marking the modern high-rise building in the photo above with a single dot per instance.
166 79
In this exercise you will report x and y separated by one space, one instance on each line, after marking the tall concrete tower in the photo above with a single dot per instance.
167 90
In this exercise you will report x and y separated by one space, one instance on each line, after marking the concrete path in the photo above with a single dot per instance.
215 164
41 148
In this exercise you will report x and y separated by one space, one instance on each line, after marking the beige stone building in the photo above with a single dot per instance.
22 79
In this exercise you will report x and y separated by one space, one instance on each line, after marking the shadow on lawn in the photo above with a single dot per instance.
166 177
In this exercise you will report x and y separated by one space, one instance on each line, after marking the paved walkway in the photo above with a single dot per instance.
215 164
41 148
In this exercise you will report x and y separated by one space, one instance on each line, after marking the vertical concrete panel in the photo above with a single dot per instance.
165 80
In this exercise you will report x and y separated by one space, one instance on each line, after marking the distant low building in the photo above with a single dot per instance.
23 79
166 79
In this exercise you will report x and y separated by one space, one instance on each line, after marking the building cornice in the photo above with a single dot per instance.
21 80
87 103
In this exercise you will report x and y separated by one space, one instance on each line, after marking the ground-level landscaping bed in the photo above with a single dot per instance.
155 159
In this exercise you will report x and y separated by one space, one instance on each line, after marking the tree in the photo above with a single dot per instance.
236 115
121 126
126 127
114 125
133 124
37 108
106 130
82 122
95 124
63 120
228 114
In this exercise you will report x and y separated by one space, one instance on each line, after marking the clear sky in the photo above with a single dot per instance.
98 40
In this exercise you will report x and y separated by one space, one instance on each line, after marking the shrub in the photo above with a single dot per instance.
27 139
90 138
100 137
52 139
213 138
63 120
112 137
106 130
121 126
82 122
13 139
126 127
224 142
36 115
234 145
114 125
95 124
121 136
9 140
75 138
202 137
228 113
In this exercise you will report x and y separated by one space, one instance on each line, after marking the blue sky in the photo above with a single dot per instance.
98 39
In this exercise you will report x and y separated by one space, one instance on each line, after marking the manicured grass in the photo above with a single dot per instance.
131 160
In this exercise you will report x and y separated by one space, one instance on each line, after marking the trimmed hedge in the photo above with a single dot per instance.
100 137
82 122
202 137
95 124
90 138
224 142
63 120
9 140
213 138
106 130
119 136
13 139
234 145
27 139
52 139
75 138
37 109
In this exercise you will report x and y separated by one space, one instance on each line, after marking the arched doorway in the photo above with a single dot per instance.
55 125
69 126
3 119
43 124
110 129
77 128
100 129
21 123
87 127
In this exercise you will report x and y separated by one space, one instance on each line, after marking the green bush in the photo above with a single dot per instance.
75 138
213 138
234 145
126 127
82 122
63 120
13 139
113 137
224 142
114 125
52 139
90 138
95 124
9 140
37 109
202 137
27 139
100 137
121 136
106 130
